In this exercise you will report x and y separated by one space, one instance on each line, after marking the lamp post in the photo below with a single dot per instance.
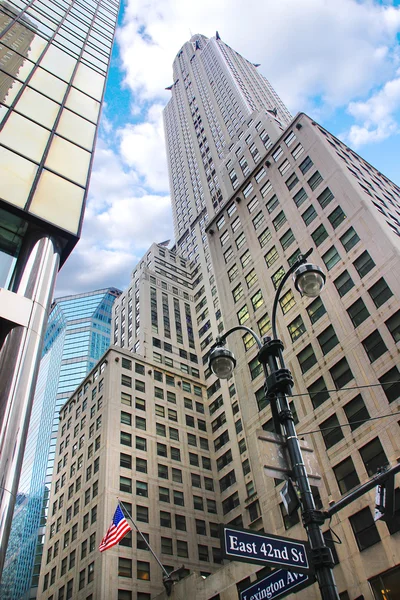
309 280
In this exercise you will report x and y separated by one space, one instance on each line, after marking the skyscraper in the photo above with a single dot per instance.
53 65
251 189
77 335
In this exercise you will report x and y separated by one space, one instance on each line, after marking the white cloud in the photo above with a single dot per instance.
142 147
377 115
333 50
121 221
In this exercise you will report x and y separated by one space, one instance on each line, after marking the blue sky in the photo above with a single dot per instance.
337 61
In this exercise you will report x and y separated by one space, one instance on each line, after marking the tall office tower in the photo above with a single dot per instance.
137 430
53 65
77 335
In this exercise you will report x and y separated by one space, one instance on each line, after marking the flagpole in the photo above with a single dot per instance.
143 538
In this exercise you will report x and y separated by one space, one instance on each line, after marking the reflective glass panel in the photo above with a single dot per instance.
38 107
89 81
16 177
25 137
76 129
69 160
83 105
58 62
48 84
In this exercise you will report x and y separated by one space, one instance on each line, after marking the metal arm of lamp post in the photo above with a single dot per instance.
278 384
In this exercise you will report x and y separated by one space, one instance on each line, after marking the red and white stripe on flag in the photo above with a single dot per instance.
118 529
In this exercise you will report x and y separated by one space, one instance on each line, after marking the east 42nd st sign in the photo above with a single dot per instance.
261 548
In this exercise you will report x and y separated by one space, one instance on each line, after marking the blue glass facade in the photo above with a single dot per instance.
77 335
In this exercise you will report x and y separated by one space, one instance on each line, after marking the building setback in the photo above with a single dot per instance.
77 335
53 65
251 189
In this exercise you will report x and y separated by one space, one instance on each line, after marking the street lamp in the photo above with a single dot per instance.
309 280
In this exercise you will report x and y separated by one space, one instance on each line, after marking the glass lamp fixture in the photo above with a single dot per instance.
222 362
309 280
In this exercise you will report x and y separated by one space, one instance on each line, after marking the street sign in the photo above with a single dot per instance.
260 548
278 584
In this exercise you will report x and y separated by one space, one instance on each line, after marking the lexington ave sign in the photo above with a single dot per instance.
277 585
261 548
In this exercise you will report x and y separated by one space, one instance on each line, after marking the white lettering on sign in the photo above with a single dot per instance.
297 555
249 547
268 591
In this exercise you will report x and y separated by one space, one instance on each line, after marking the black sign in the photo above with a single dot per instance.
261 548
277 585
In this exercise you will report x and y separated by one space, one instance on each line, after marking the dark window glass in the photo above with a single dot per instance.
380 292
300 197
356 412
325 197
393 324
349 239
306 358
364 529
315 180
346 475
316 310
358 312
296 328
373 456
374 346
343 283
318 392
341 373
319 235
287 239
331 258
336 217
306 165
327 339
309 215
363 264
390 383
289 520
331 431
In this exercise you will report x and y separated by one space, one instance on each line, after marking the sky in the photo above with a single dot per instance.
337 61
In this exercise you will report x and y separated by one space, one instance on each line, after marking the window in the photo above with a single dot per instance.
277 154
318 392
343 283
126 438
349 239
390 383
331 258
142 489
245 259
165 519
358 312
331 431
309 215
143 570
300 197
266 189
230 503
296 328
264 324
341 373
247 190
258 220
316 310
277 277
177 475
203 552
287 239
363 264
126 399
294 257
327 339
325 197
373 456
224 239
166 545
284 167
364 529
315 180
126 418
292 181
257 300
180 522
374 346
142 513
306 358
178 498
272 203
126 380
287 302
380 292
271 256
182 548
251 278
240 241
393 324
356 412
237 292
319 235
346 475
336 217
233 272
255 368
175 453
125 460
289 520
279 220
124 567
198 503
141 443
306 165
140 423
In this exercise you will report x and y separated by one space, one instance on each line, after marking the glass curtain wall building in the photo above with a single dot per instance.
78 334
54 59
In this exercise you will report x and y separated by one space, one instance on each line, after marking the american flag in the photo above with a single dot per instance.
117 530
